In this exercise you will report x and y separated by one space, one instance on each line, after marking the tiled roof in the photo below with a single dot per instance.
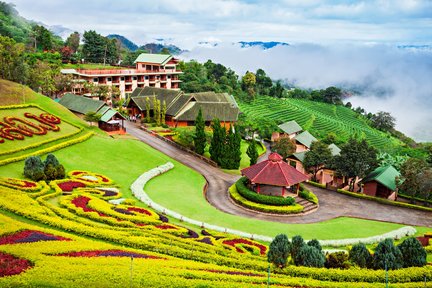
300 155
384 175
160 59
290 127
335 150
305 138
275 172
80 104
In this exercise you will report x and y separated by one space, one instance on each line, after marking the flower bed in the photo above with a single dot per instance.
108 253
11 265
238 243
90 177
68 186
23 185
82 201
140 210
29 236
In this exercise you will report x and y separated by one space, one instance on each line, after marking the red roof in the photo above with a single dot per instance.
275 172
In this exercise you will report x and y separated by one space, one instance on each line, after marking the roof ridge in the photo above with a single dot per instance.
283 172
268 162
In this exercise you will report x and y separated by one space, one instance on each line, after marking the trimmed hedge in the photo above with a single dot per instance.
376 199
291 209
259 198
307 194
402 195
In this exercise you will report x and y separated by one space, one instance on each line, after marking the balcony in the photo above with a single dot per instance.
124 72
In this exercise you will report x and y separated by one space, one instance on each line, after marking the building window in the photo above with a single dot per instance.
121 78
109 79
95 80
146 77
134 78
169 76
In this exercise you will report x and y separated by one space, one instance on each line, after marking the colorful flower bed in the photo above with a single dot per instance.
140 210
82 201
166 227
240 244
90 177
108 253
29 236
11 265
68 186
24 185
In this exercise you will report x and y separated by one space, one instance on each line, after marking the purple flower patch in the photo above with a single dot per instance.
205 240
123 211
29 236
110 194
108 253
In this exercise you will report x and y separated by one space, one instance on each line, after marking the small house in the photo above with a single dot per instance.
381 183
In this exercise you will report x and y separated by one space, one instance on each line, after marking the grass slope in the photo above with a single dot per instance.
319 119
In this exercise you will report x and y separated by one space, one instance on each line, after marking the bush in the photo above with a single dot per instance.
387 255
413 253
315 243
307 194
34 168
259 198
297 243
309 256
337 260
360 256
279 251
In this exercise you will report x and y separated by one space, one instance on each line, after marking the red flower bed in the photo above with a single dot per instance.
81 202
30 236
140 210
234 242
11 265
70 185
108 253
166 227
20 183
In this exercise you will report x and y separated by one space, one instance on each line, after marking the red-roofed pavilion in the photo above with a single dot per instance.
268 176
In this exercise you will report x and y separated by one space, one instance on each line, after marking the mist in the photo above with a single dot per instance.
392 79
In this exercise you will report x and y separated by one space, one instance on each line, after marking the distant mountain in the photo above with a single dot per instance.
157 48
416 47
263 45
59 30
126 43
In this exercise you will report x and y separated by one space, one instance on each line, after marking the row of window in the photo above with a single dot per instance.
134 78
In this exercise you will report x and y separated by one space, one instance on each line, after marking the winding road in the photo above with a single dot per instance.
332 204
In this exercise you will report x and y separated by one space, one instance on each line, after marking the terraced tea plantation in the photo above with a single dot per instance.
319 119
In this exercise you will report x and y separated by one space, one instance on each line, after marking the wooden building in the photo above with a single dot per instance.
289 129
274 176
182 109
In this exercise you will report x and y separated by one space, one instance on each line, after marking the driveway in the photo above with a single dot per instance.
331 204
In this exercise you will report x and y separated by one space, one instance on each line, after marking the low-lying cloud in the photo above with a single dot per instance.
397 80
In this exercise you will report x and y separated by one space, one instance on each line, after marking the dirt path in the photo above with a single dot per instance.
332 204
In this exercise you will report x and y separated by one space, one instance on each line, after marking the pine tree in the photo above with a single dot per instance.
147 105
34 168
156 111
200 140
217 142
252 152
413 253
279 251
236 149
387 255
360 255
163 112
227 156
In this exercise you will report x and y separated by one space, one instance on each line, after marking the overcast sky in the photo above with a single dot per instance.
187 22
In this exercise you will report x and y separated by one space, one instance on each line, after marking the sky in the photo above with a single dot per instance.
341 42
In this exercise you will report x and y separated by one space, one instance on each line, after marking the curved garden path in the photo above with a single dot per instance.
332 204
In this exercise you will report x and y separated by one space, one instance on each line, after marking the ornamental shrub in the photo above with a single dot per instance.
34 168
360 255
337 260
309 256
387 255
413 253
315 243
52 168
252 152
297 243
279 251
259 198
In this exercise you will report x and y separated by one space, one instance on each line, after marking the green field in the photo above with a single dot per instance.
319 119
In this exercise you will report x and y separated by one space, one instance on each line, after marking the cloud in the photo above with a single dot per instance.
391 79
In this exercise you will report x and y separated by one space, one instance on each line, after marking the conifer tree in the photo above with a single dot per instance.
163 112
279 250
236 149
34 168
252 152
147 105
200 140
217 142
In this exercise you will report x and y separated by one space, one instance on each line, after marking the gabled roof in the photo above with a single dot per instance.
300 155
335 150
290 127
384 175
305 138
80 104
160 59
160 93
274 172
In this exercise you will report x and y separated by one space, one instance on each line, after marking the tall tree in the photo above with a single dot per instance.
200 139
387 255
263 82
73 41
279 251
99 49
147 105
43 38
410 181
360 255
217 142
413 253
317 158
356 159
163 112
248 84
332 95
252 152
383 121
284 147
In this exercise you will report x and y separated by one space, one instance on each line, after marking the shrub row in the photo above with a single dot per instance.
259 198
376 199
307 194
402 195
292 209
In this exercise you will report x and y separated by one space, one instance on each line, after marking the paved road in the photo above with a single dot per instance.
332 204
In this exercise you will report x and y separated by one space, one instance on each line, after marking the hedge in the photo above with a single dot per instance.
307 194
259 198
402 195
376 199
291 209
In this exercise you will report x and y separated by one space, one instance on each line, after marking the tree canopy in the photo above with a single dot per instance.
317 158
